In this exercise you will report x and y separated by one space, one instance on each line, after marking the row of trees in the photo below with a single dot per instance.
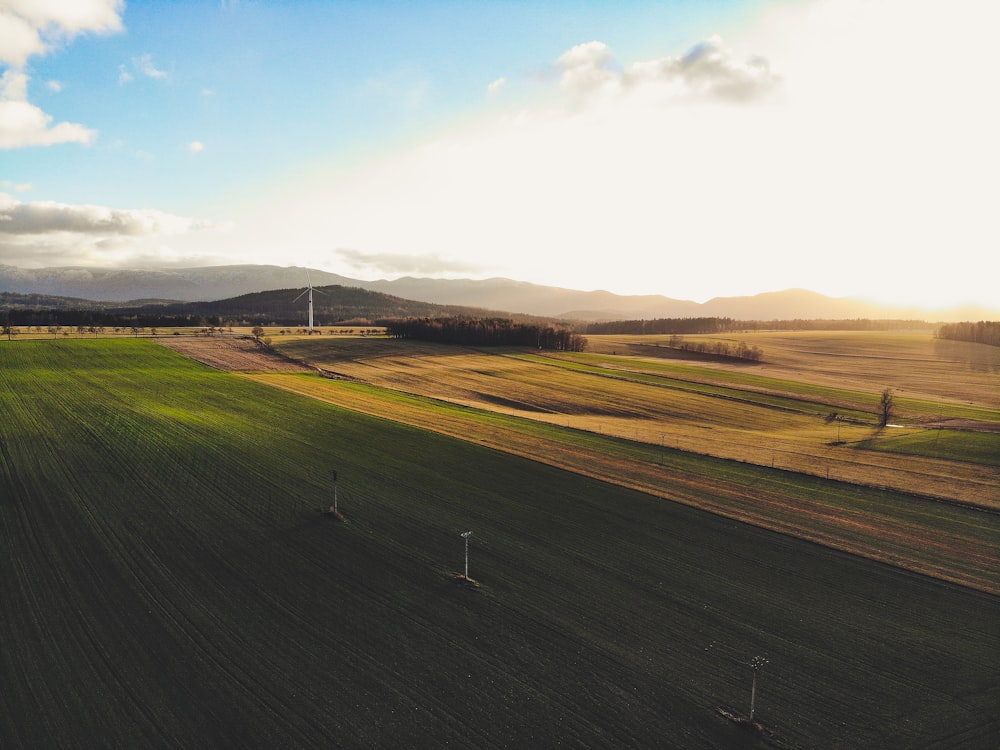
55 331
740 350
486 332
111 318
983 332
665 325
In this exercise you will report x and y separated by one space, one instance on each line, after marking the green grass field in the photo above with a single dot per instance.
168 582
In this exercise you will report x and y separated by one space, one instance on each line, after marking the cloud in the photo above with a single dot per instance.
33 232
45 217
53 22
144 65
708 71
54 86
395 264
196 147
19 40
496 85
24 124
586 68
30 28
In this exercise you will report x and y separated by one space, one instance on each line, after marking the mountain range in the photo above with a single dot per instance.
134 286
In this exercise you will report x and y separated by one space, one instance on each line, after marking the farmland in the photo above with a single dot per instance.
169 581
903 495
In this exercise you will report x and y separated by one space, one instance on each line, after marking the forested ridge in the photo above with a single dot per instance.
331 305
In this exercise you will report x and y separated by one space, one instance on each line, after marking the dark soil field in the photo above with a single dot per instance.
170 582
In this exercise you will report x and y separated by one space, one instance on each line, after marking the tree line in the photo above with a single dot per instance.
664 325
486 332
740 350
983 332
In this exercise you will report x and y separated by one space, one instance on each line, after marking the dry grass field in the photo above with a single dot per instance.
777 417
914 363
232 354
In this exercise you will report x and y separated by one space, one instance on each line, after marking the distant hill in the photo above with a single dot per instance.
331 305
182 284
227 282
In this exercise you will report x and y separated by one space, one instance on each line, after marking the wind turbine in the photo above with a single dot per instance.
310 290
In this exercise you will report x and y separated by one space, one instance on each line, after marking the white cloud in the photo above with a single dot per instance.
144 65
196 147
496 86
34 27
24 124
54 86
708 71
47 232
60 19
19 40
587 68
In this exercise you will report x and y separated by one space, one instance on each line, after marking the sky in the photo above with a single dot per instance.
689 148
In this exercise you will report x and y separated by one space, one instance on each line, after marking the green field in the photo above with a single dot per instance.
168 582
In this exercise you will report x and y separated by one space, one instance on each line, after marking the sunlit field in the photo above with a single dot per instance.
782 415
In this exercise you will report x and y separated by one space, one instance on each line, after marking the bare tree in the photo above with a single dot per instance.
885 405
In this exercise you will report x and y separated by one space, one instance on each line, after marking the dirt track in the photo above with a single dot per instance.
971 425
232 354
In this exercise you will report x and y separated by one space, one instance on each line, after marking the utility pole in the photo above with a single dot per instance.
756 663
465 536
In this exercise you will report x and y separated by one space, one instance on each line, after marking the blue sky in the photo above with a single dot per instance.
692 149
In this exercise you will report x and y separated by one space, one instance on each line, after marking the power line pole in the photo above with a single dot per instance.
465 536
756 663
